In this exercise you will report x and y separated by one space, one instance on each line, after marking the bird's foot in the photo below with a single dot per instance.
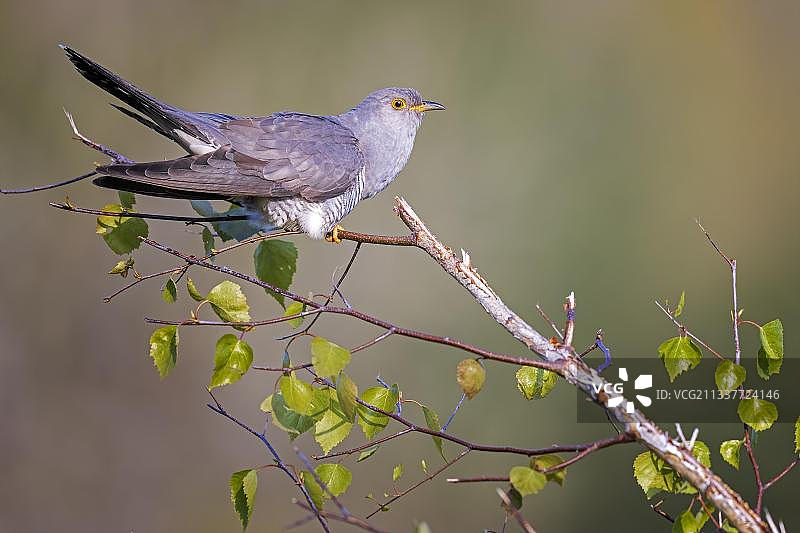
333 235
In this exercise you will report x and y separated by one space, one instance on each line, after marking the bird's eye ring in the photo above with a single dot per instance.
399 103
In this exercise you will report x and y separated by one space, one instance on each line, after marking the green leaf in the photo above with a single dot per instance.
727 528
423 465
328 358
654 475
243 490
797 436
423 527
535 382
514 497
313 488
346 393
681 302
335 476
729 375
121 233
208 241
276 263
679 354
772 339
122 267
170 292
765 366
757 413
126 199
229 303
470 375
687 522
543 462
729 450
366 454
372 422
331 430
232 359
527 480
292 423
397 472
297 394
432 421
295 308
237 229
193 292
164 349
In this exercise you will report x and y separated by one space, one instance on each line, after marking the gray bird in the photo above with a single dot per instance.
289 170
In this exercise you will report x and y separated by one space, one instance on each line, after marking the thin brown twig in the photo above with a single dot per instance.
782 473
656 507
477 479
388 240
549 321
352 520
430 476
364 446
683 328
523 522
622 438
708 512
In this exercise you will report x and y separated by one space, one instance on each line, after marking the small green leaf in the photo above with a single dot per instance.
797 435
297 394
679 355
164 349
543 462
292 423
335 476
397 472
772 339
232 359
681 302
470 376
229 303
535 383
122 234
243 491
653 475
346 393
729 450
527 480
126 199
276 263
702 453
514 497
331 430
313 488
432 421
372 422
765 366
328 358
193 292
366 454
727 528
729 375
423 527
122 267
423 465
757 413
170 292
295 308
208 241
687 522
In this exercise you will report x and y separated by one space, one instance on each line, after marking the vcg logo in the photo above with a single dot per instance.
644 381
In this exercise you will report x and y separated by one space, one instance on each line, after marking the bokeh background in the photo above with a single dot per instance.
580 143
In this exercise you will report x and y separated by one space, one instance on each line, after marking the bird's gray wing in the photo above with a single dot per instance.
283 155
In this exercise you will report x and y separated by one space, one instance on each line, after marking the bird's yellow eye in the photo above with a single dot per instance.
399 103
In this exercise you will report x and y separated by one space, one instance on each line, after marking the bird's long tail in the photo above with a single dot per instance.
161 117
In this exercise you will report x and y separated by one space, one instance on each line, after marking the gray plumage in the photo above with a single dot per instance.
292 170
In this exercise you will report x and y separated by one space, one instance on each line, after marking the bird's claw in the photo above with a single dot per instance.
333 236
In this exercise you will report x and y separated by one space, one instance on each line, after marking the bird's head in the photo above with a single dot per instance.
397 107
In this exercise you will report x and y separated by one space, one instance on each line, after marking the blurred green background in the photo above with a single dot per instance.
581 140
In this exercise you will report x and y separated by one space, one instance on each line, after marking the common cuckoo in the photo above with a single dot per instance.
289 170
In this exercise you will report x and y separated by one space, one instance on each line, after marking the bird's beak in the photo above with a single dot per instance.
428 105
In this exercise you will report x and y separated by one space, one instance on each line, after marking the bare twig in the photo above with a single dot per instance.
515 512
49 185
352 520
394 240
569 310
689 334
430 476
656 507
549 321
